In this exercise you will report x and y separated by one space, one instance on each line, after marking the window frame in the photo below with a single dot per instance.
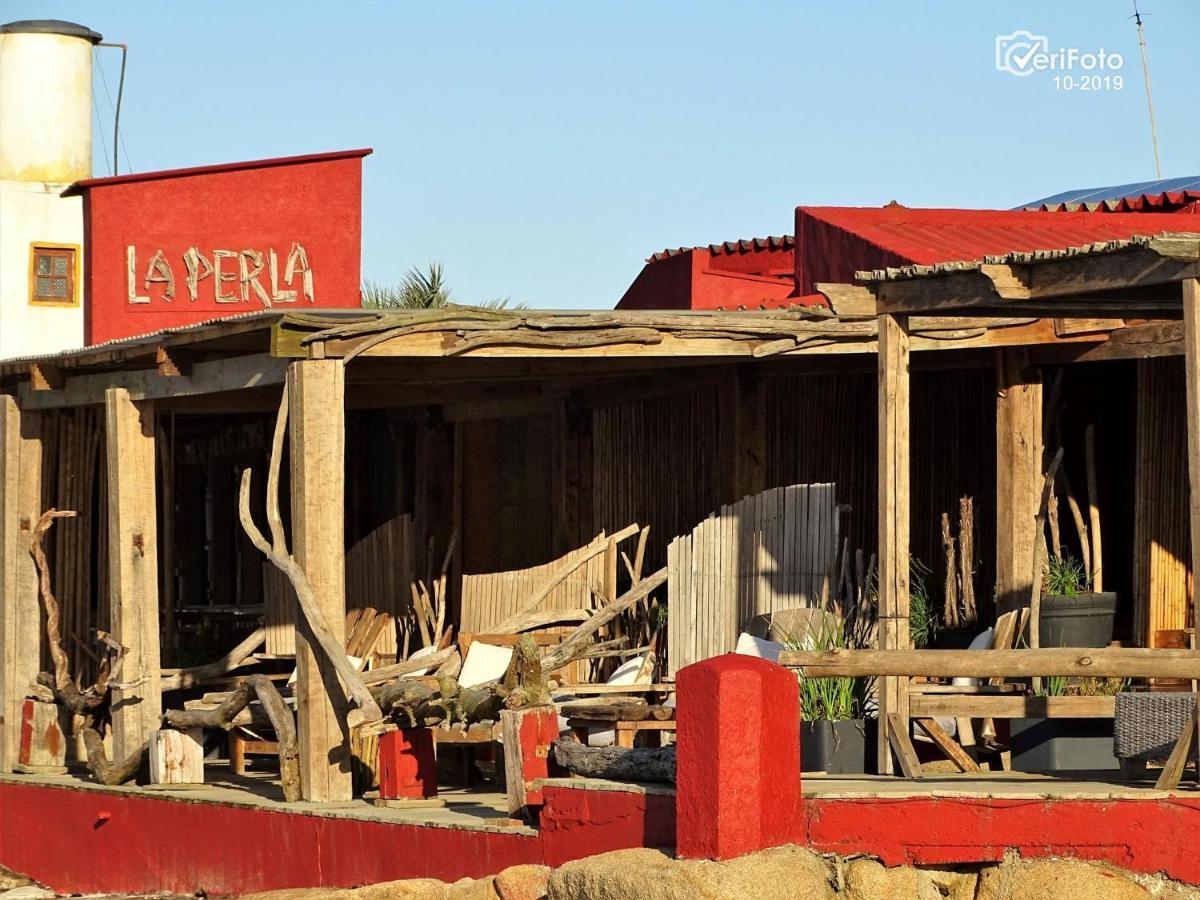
73 275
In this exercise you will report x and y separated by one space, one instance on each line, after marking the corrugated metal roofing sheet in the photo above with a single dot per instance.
751 245
1137 194
929 236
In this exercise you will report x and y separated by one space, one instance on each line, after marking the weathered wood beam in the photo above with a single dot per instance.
133 568
45 377
1014 707
1106 662
174 361
1191 340
316 396
210 377
893 573
20 612
1018 476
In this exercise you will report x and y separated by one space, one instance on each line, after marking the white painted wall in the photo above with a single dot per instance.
32 212
45 145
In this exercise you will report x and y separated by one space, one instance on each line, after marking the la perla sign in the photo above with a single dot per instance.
223 276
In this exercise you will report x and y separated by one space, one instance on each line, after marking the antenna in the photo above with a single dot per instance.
1137 17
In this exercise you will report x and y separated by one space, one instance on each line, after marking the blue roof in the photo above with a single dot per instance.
1118 191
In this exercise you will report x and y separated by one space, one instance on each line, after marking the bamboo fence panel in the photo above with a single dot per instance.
1163 588
763 554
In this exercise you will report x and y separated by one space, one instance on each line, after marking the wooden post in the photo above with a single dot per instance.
1191 350
528 736
893 522
20 609
317 435
133 567
1018 477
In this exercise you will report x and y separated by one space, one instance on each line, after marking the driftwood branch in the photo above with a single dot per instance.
196 675
280 557
578 640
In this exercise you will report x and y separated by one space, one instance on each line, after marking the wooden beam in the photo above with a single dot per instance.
133 567
317 437
173 361
1191 340
1115 662
20 609
1000 706
45 377
1018 476
213 376
893 521
954 752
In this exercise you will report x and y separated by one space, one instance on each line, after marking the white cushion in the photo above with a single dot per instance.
354 661
627 672
748 645
484 663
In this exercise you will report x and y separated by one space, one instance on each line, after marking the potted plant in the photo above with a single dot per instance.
1072 614
835 735
1064 745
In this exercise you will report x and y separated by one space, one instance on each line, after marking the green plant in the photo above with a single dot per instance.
1086 686
922 610
1063 576
418 290
830 699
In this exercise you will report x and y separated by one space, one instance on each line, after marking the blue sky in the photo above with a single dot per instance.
542 150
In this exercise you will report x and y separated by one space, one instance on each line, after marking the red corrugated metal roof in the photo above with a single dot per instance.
1186 202
928 236
751 245
88 183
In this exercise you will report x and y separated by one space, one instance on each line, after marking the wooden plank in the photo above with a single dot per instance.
893 462
1114 662
317 440
1018 476
901 743
133 567
1172 771
20 618
1191 327
1001 706
947 744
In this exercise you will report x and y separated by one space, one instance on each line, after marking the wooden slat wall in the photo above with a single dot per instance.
73 473
657 461
1162 577
379 574
768 552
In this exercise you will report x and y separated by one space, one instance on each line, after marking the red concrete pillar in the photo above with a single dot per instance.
738 765
407 765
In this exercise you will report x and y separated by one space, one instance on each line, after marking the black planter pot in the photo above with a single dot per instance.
1085 620
845 747
1063 745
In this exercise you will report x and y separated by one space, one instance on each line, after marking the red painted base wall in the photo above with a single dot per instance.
88 840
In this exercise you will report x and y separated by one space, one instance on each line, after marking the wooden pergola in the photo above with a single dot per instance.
476 364
1155 278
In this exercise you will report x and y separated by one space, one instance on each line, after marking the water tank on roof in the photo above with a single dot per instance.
46 101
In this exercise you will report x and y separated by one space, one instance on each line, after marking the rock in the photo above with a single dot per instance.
27 892
472 889
407 889
523 883
10 880
867 879
1057 879
777 874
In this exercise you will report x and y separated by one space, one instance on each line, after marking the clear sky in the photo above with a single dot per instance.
541 150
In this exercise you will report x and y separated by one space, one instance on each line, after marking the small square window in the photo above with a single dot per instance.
53 281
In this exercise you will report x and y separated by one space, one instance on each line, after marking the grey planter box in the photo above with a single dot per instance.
1085 620
1063 745
845 747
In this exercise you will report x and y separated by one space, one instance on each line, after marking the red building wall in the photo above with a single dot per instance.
171 248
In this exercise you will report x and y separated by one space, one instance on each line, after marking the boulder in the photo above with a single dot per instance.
472 889
408 889
867 879
10 880
1057 879
523 883
781 873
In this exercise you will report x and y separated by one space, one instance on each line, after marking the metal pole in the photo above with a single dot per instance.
120 93
1137 17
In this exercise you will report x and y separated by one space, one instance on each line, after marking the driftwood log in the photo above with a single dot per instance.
282 719
197 675
644 764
